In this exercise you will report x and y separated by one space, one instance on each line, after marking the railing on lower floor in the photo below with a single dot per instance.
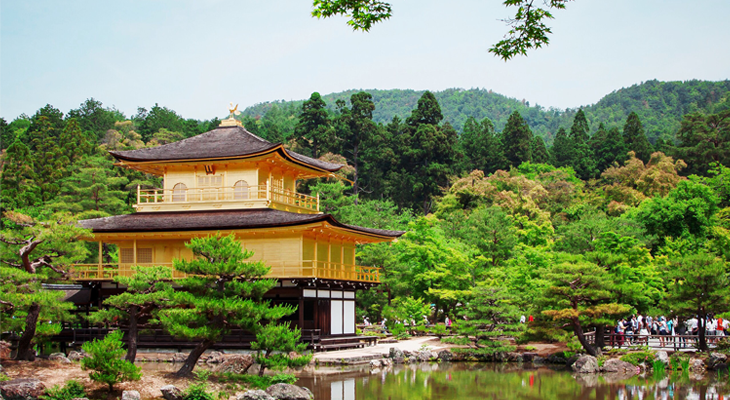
666 342
280 269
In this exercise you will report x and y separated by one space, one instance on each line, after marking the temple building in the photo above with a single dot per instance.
232 181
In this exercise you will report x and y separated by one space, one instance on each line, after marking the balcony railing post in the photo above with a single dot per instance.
138 194
317 201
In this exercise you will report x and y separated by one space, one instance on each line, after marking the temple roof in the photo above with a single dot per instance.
217 220
224 142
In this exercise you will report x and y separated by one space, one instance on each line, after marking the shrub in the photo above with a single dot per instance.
601 360
638 357
199 390
458 340
4 378
73 389
658 366
530 348
105 359
723 345
684 363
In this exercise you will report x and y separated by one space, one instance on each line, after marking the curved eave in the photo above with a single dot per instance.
278 148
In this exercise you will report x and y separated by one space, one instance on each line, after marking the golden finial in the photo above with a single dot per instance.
231 120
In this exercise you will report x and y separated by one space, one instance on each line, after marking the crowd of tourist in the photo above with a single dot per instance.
637 330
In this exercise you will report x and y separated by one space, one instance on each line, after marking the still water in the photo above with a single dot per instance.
466 381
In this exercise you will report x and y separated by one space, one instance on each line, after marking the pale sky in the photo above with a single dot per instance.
196 56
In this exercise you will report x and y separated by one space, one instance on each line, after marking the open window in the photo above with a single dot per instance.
179 192
240 190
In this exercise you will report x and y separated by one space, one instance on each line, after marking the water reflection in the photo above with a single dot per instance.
463 381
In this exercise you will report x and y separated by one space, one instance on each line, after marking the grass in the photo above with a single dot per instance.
638 358
255 381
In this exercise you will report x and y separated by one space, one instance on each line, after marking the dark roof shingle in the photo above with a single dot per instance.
215 220
222 142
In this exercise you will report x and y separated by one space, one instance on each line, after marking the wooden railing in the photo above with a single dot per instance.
227 194
666 342
280 269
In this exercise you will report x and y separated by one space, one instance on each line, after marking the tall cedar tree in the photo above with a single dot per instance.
581 156
481 147
358 129
94 119
608 148
429 152
223 291
539 151
578 296
17 182
635 138
517 140
314 132
55 161
562 150
698 285
148 290
40 248
381 158
704 139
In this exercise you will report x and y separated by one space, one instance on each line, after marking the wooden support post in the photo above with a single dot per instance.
101 267
138 194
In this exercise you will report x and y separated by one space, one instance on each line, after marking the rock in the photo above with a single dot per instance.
395 353
409 354
515 357
716 362
570 361
556 358
130 395
386 362
585 365
283 391
375 364
445 355
4 349
423 356
170 392
179 358
215 357
22 389
77 355
237 364
59 357
697 365
539 360
616 365
529 356
254 395
662 356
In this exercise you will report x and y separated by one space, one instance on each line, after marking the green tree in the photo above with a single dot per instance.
314 131
148 290
492 231
92 190
223 291
94 118
704 139
275 344
480 145
517 140
698 284
540 153
491 316
635 138
527 28
18 188
45 146
579 295
562 150
105 360
42 249
149 122
582 159
358 129
608 148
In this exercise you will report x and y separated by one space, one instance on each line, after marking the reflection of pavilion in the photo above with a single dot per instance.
232 181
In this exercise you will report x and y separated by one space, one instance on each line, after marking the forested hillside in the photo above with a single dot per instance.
660 105
597 226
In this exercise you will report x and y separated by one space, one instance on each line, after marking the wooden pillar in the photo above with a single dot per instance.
301 309
134 250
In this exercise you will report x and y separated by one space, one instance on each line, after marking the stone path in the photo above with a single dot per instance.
365 354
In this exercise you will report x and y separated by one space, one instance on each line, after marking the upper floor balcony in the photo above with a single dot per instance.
182 198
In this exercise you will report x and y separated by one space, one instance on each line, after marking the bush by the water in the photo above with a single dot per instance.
105 360
72 390
639 357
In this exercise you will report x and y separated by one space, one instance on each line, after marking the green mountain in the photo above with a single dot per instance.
660 105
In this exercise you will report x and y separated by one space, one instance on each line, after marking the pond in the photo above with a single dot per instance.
482 381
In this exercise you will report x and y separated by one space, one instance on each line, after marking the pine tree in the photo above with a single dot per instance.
581 158
635 138
491 316
608 148
223 291
148 290
275 344
314 132
357 133
45 146
704 139
562 150
517 140
539 151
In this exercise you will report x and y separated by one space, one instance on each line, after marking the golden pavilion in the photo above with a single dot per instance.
232 181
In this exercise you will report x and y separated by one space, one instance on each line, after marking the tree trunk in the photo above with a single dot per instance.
582 339
263 364
701 332
31 321
600 336
355 187
132 340
193 357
